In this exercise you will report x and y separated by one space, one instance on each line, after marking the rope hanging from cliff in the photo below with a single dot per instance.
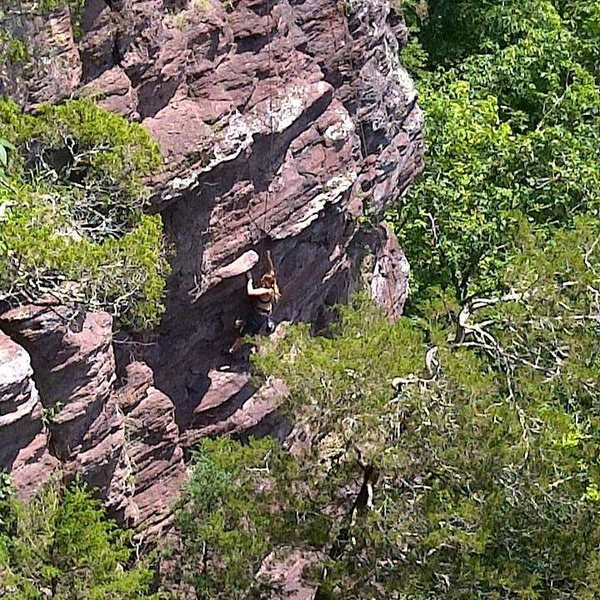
268 174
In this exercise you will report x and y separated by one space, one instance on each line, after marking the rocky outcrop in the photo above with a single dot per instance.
292 122
285 125
387 272
152 445
54 71
122 442
23 435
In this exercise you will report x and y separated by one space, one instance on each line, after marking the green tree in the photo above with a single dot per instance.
73 219
466 481
61 545
228 519
510 91
451 456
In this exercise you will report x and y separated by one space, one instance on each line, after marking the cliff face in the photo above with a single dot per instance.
286 125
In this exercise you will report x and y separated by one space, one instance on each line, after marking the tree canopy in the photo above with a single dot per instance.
72 220
511 95
61 545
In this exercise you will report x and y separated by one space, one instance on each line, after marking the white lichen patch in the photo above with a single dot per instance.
15 364
227 144
332 193
284 109
405 83
340 130
235 138
237 135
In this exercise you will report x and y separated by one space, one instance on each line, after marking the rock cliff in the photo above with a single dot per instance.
287 125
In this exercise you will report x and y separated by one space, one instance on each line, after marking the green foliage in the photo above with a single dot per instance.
51 5
73 220
78 142
12 49
5 147
227 518
6 494
512 136
487 481
5 486
61 545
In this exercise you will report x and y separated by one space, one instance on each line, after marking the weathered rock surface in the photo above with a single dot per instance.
153 450
23 436
287 125
286 568
388 278
122 442
284 125
56 71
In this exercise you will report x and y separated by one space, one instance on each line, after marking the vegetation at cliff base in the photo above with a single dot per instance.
469 471
228 520
61 545
72 221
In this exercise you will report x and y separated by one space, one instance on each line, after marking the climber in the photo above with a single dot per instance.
263 298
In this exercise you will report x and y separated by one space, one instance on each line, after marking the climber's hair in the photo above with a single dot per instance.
268 280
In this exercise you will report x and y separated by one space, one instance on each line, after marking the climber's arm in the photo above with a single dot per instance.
259 291
270 265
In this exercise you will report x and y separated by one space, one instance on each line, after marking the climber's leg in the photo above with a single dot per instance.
236 345
255 325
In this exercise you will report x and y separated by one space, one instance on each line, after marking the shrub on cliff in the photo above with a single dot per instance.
61 545
72 222
475 479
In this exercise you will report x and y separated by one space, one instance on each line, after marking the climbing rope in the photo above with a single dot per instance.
270 174
270 25
263 229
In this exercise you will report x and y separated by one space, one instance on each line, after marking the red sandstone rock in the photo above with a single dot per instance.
125 443
56 71
285 568
23 436
73 361
74 370
153 447
389 280
112 90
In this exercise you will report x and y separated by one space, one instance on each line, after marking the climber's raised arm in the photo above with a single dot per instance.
259 291
270 265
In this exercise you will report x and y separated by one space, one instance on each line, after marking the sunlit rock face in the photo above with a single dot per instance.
286 125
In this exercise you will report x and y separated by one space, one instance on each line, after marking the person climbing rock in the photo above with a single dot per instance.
264 297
